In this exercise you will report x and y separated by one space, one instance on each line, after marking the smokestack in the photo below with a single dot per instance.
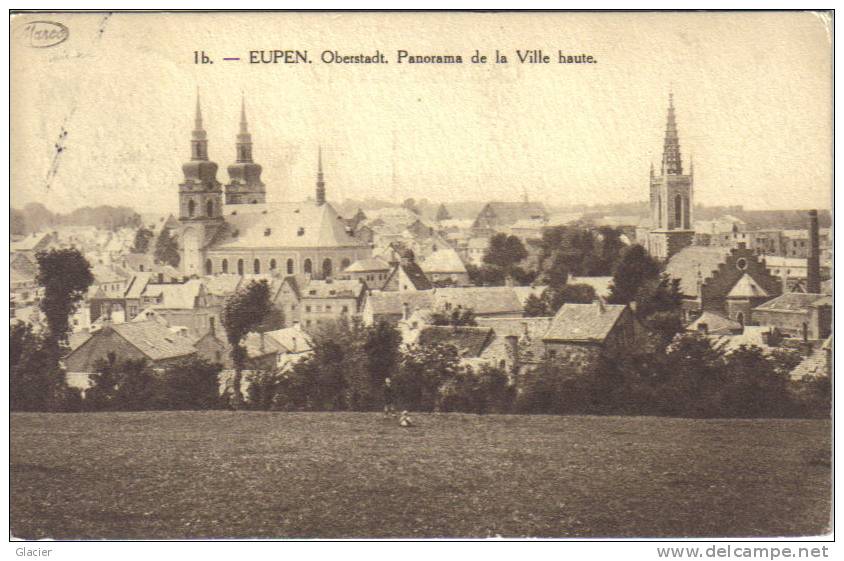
813 274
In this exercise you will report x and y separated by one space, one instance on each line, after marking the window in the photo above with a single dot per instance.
209 209
256 266
272 264
191 208
345 263
225 265
240 267
209 267
268 231
308 267
211 322
289 266
345 309
326 268
328 308
307 309
218 356
300 231
678 211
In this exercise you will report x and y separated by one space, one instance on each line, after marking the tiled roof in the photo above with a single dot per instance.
391 303
483 300
511 212
525 292
746 287
367 265
791 302
259 344
534 327
284 225
443 261
153 339
293 339
175 296
469 341
222 285
137 284
584 322
813 365
30 242
414 274
716 324
686 263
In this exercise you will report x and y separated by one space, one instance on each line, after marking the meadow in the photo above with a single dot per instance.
222 474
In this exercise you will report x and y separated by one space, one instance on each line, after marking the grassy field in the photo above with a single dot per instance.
332 475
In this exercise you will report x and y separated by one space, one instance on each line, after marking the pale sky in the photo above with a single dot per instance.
753 96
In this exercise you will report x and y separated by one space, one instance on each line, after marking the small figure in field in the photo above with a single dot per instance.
388 397
405 420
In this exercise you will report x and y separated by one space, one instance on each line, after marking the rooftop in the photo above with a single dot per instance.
584 322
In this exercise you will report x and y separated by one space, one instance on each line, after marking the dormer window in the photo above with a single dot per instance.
268 231
301 231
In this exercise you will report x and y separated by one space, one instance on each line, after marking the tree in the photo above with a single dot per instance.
32 372
410 204
423 371
242 312
442 213
634 269
534 306
101 395
553 297
142 238
192 383
65 276
382 352
167 248
505 252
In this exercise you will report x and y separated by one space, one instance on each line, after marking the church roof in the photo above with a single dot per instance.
271 225
746 287
686 263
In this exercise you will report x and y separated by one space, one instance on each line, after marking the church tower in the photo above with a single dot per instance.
671 197
245 186
320 182
200 201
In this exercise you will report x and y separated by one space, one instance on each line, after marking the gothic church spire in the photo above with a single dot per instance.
672 162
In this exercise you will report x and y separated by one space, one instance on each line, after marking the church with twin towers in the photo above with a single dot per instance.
233 229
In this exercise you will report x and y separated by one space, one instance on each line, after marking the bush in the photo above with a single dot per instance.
486 391
191 383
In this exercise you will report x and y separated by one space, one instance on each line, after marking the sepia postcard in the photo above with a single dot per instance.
421 275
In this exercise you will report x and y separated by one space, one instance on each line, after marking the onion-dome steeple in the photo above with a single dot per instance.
199 169
245 186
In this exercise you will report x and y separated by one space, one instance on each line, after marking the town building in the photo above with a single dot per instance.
245 234
579 333
730 282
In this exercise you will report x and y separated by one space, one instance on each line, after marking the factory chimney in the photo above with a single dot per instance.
813 273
